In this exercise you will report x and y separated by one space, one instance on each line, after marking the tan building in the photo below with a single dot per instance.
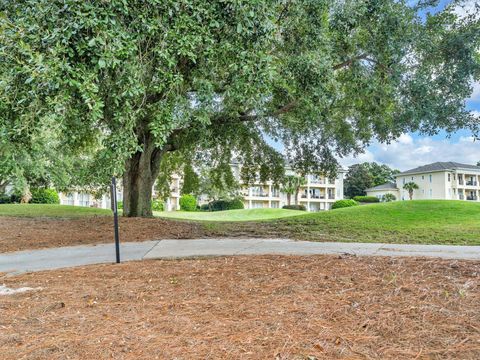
440 180
318 193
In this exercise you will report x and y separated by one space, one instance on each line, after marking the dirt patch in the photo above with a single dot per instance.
35 233
268 307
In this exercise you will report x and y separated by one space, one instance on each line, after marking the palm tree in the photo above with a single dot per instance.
289 187
410 186
299 181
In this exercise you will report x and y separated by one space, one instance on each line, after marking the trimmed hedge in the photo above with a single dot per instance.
344 203
295 207
188 203
366 199
222 205
10 199
44 196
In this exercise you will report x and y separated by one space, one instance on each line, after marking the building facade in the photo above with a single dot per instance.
318 193
440 181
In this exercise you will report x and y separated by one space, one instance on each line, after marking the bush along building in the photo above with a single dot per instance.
439 180
315 193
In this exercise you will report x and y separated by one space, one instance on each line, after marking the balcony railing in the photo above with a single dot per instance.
330 196
461 197
260 194
472 197
471 183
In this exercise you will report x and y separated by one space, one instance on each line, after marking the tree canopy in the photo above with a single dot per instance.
362 176
119 84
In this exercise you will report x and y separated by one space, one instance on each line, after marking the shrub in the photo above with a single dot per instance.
388 197
5 199
157 205
366 199
344 203
205 207
188 203
120 205
222 205
44 196
295 207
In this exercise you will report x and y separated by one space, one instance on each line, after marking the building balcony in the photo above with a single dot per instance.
471 183
331 197
461 197
472 197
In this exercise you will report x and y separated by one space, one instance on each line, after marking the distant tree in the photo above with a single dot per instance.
289 187
365 175
191 181
410 186
357 180
381 174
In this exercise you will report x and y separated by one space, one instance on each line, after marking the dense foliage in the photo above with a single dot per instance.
44 196
366 175
222 205
188 203
157 205
295 207
119 84
366 199
344 203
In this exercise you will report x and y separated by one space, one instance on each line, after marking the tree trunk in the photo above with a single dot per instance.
141 171
410 193
288 198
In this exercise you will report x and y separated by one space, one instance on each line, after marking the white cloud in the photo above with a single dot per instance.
466 8
476 92
405 154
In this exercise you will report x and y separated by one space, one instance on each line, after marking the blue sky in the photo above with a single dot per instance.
412 149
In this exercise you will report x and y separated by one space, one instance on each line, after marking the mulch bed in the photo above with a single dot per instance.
35 233
266 307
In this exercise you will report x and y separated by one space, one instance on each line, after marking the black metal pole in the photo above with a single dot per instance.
115 217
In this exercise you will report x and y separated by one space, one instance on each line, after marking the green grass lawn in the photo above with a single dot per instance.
230 215
56 211
427 222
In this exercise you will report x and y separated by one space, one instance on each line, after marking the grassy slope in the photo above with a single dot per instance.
231 215
41 210
428 222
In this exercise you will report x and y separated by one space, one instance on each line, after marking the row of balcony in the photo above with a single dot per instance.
468 183
468 197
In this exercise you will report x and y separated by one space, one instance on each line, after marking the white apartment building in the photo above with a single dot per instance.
317 194
439 180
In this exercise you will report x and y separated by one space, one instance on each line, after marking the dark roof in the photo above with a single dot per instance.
440 166
386 186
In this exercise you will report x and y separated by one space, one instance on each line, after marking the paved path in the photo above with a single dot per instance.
36 260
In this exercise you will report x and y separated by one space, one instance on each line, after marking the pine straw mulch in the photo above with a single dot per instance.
36 233
266 307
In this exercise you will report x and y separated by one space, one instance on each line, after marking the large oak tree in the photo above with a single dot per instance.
126 85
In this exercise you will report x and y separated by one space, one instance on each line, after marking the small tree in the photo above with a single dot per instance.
299 182
410 186
289 187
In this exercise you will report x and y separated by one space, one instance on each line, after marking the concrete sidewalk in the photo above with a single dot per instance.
36 260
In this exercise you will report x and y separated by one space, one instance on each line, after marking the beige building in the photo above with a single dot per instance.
318 194
440 180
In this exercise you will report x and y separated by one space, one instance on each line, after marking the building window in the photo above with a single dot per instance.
448 177
423 177
403 181
412 178
430 177
430 193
